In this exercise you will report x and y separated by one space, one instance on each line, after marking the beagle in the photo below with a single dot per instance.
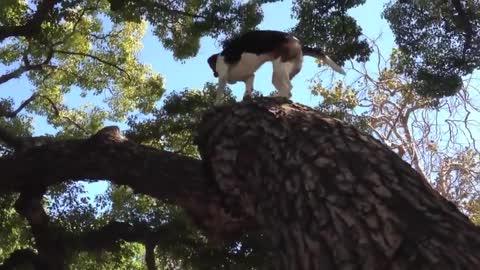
245 54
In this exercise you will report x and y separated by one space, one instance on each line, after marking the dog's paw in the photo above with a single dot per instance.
282 95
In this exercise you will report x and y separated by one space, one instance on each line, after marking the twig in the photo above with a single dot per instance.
95 58
57 113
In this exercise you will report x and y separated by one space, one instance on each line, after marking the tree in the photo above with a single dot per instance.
165 188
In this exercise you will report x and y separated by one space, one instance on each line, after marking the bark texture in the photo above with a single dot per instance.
328 195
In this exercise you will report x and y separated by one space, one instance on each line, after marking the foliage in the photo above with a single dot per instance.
340 102
128 257
13 228
180 25
172 127
325 24
440 42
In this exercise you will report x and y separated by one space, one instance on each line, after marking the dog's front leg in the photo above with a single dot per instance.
220 91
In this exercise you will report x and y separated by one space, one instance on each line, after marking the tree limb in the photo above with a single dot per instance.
48 241
107 155
150 256
105 238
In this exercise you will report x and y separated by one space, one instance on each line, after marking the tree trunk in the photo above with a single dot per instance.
328 195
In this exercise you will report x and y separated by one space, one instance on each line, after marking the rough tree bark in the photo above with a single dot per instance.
329 196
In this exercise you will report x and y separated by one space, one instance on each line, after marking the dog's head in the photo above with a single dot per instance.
212 62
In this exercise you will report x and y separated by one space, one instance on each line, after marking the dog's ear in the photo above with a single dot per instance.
212 62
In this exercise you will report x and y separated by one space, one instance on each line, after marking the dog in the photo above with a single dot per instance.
244 55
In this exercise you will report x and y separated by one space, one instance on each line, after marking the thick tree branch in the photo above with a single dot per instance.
17 73
19 144
107 155
33 25
150 256
48 241
105 238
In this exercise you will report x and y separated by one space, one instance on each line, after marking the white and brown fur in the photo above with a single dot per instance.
244 55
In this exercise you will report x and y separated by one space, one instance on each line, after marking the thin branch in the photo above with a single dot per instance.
74 27
24 104
57 111
26 67
95 58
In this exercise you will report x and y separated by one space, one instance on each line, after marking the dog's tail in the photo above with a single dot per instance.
318 53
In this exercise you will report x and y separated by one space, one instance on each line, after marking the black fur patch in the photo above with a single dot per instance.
258 42
212 62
